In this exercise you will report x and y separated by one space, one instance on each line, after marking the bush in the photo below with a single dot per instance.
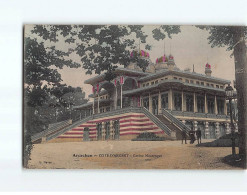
146 136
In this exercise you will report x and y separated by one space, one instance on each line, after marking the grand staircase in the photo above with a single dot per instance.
173 123
166 122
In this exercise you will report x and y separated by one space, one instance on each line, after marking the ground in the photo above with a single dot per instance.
128 155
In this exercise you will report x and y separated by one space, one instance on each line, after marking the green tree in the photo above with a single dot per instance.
39 79
104 47
234 38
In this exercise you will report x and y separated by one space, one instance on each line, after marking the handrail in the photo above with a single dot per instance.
69 127
55 124
117 111
112 113
198 114
95 116
175 120
50 130
156 121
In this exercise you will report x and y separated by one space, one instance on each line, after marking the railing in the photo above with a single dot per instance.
175 120
156 120
74 124
136 110
117 111
198 114
79 121
113 113
53 128
55 124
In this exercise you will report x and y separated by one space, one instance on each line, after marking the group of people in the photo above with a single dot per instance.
192 135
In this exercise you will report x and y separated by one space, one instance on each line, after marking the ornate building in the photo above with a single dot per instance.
163 100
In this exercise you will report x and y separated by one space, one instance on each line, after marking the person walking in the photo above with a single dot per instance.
184 136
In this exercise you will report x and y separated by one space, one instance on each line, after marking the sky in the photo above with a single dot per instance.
188 47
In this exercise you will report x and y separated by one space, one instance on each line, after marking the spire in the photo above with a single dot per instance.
170 48
193 68
164 46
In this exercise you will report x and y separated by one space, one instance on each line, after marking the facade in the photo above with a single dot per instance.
163 94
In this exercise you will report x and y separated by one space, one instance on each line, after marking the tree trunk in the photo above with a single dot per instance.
241 82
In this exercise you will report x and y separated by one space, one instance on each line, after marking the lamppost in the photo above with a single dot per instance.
230 96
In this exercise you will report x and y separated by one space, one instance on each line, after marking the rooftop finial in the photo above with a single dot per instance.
164 46
170 48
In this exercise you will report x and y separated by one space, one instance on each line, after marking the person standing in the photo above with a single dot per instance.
184 136
199 136
192 136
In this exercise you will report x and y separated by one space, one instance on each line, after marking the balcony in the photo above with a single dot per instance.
200 115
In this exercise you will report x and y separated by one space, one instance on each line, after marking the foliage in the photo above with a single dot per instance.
103 47
45 98
221 36
148 136
38 60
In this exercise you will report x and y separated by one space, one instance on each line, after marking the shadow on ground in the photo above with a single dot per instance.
234 162
224 141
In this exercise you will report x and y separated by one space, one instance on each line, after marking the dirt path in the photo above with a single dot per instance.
127 155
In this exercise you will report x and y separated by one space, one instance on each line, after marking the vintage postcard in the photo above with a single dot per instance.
134 97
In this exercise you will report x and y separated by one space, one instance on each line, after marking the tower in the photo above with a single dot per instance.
208 70
171 62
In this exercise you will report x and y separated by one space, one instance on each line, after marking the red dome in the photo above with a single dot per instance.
208 65
171 57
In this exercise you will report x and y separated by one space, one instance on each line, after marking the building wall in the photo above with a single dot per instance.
131 125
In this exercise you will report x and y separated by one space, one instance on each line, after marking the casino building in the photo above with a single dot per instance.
163 100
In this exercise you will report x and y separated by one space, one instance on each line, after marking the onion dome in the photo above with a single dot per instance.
208 66
162 59
208 70
141 53
171 57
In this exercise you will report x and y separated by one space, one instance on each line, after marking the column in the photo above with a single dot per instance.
205 104
93 105
43 140
195 102
217 129
225 107
150 103
195 125
183 104
98 104
236 127
116 97
215 105
170 106
111 130
228 130
159 104
206 130
141 101
103 130
121 96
